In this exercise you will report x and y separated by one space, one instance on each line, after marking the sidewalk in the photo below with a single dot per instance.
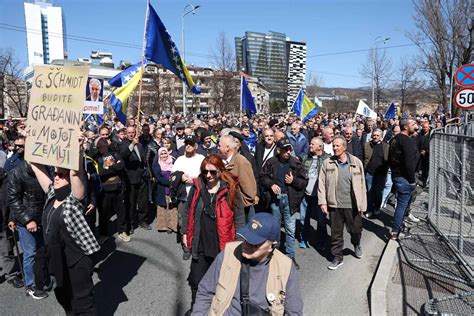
409 289
403 288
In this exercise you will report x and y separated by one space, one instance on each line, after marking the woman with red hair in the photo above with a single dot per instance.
213 215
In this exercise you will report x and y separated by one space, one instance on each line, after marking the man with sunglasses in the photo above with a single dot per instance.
274 287
285 178
18 154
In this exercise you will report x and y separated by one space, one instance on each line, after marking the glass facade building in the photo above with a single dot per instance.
264 56
267 57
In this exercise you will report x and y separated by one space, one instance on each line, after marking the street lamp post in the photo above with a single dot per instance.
192 9
377 40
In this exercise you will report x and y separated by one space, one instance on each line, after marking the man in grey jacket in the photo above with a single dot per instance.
312 164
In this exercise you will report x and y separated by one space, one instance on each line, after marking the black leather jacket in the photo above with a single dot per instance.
25 198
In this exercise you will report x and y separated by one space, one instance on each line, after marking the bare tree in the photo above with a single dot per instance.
409 84
11 83
224 84
378 70
443 37
313 83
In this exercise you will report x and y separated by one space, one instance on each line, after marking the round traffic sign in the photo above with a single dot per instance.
464 76
464 98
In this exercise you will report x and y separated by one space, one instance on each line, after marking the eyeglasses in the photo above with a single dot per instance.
212 172
19 146
60 175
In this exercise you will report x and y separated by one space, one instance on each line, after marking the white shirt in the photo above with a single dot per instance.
190 166
268 153
328 149
227 161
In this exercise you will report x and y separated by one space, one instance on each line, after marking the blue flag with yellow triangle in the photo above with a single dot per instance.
126 82
303 107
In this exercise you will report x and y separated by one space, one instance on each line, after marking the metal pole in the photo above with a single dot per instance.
142 68
20 264
373 78
451 94
184 58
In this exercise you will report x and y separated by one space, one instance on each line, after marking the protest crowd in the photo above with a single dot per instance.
220 182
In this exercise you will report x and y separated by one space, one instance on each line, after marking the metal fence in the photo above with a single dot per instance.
451 191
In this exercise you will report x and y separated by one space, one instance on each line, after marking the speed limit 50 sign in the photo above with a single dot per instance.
464 98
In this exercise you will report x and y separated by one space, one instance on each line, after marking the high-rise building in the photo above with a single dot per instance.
296 52
267 56
44 32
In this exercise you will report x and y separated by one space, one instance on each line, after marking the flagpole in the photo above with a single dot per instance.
142 67
241 92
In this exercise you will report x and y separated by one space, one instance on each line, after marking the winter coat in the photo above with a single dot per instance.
228 220
300 144
134 165
240 167
295 189
25 197
328 183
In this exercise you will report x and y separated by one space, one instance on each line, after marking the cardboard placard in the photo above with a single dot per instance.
55 115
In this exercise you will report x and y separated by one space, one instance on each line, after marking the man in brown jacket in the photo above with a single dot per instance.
239 166
342 194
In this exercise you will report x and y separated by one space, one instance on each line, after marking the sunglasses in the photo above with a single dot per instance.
212 172
19 146
60 175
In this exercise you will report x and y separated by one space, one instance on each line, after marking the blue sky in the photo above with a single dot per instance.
328 26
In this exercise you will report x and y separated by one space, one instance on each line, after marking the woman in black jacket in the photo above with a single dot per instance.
69 240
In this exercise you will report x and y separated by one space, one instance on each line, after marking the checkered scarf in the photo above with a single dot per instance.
73 215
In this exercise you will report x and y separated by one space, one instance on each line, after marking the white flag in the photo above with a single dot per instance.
363 109
318 102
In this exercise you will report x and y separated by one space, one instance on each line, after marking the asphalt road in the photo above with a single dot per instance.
147 276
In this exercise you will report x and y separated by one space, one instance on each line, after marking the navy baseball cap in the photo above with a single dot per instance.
262 227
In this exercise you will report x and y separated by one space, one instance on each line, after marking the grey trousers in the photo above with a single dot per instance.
8 265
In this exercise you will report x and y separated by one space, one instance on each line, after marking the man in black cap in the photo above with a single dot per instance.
178 139
285 178
274 289
206 146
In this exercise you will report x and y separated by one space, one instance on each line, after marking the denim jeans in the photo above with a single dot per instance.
308 205
281 207
404 191
387 188
375 185
29 243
